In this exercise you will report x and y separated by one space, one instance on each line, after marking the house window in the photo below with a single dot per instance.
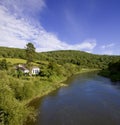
35 71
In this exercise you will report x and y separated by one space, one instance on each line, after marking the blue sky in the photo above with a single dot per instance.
87 25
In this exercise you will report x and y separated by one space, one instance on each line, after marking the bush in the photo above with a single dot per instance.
3 64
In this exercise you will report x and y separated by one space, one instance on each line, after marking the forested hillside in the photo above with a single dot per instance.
80 58
112 71
6 52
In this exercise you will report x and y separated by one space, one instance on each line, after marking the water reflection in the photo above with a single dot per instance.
88 100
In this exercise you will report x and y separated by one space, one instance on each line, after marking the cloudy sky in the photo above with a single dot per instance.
88 25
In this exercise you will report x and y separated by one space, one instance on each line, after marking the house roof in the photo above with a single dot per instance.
22 67
35 67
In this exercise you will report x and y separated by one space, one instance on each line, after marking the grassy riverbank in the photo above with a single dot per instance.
17 94
57 83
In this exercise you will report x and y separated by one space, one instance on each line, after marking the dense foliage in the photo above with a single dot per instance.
16 92
113 71
12 111
12 53
3 64
83 59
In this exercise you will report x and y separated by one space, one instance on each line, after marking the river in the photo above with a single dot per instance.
88 99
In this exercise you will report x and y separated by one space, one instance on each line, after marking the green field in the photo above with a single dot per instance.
14 60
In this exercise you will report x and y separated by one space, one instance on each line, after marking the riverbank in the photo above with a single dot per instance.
114 77
60 83
17 94
34 102
112 71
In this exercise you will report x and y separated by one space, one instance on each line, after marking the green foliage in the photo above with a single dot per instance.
12 112
13 61
3 64
30 53
15 91
83 59
12 53
113 71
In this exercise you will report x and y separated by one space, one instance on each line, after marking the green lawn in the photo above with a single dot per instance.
14 60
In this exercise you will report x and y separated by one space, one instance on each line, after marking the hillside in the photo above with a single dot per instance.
6 52
80 58
64 56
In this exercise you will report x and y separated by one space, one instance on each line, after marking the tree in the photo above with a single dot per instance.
30 53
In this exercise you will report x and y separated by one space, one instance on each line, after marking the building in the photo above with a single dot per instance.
22 68
34 70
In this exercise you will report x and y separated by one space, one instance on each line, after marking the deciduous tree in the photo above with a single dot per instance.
30 53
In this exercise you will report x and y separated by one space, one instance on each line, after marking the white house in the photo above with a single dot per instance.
35 70
22 68
26 71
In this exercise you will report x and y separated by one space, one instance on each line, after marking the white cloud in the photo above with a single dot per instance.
108 52
108 49
50 42
16 32
22 8
13 32
107 46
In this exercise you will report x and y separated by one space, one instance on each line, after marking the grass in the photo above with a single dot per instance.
14 60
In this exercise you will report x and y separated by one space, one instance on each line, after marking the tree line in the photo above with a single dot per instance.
112 71
83 59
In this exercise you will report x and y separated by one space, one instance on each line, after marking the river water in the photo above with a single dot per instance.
88 99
